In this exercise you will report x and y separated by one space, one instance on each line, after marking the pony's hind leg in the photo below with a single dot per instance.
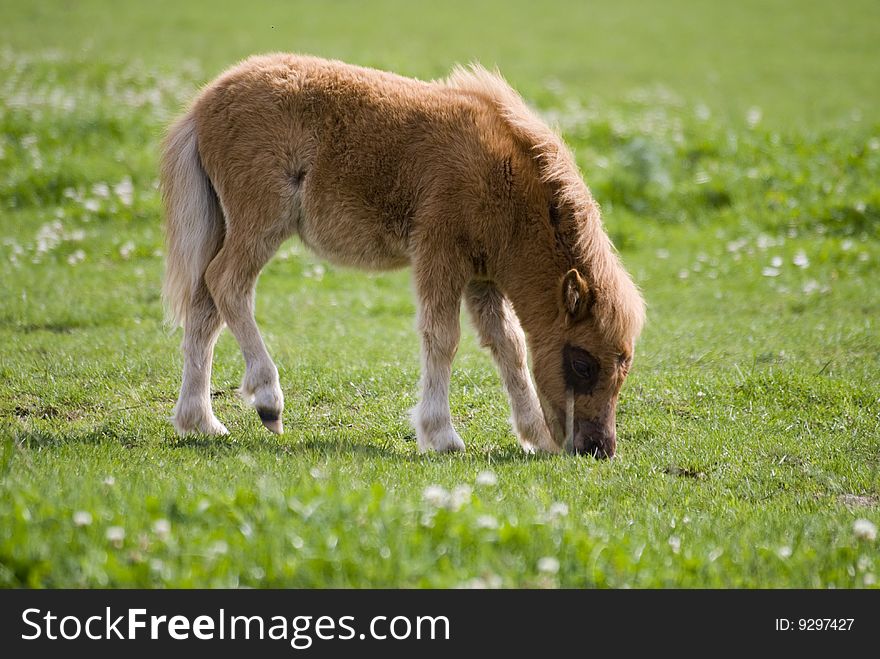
500 331
232 278
202 327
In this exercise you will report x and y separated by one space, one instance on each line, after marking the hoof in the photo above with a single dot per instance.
272 421
217 428
443 441
527 447
208 427
534 436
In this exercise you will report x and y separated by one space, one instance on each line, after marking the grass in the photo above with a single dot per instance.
736 153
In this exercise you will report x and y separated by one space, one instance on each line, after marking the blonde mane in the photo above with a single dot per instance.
618 305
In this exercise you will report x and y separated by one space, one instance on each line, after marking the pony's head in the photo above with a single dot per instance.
582 343
582 360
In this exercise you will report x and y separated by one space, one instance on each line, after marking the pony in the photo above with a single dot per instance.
457 178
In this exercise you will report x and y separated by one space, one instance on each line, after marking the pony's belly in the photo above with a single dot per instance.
359 242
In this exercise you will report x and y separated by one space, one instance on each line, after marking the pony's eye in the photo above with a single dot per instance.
581 369
585 369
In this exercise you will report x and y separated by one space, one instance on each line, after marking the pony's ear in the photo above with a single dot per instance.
575 294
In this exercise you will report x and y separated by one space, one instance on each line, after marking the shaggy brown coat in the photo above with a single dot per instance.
457 178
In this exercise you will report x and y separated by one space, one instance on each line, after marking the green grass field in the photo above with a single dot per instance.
736 153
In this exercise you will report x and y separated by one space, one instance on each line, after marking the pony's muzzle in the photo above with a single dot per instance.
593 438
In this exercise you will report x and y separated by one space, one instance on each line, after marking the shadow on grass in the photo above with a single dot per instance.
38 438
308 446
51 326
358 448
33 439
288 446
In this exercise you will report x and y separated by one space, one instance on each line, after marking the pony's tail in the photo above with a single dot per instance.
194 226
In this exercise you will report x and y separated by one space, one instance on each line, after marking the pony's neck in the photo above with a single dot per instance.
532 281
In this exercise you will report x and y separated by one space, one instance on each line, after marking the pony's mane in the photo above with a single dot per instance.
618 305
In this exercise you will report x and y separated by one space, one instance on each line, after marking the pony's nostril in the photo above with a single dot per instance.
588 447
600 448
592 438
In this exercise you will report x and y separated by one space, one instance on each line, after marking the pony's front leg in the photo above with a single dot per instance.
500 331
438 323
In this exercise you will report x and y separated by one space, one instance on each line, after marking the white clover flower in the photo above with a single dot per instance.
473 584
49 236
736 245
800 259
558 509
548 565
487 522
126 249
753 116
487 479
125 191
162 528
865 529
440 497
115 535
436 495
82 518
764 241
481 583
461 494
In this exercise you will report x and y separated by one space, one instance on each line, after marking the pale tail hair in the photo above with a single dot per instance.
194 224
